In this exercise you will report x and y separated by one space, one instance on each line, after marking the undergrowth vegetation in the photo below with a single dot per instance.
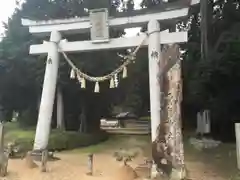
59 140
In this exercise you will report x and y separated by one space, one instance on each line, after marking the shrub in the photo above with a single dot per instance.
59 140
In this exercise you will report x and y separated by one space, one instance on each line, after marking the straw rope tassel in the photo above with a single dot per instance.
83 83
124 72
72 74
97 88
79 78
113 76
112 83
116 82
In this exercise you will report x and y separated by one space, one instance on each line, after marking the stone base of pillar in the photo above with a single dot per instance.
37 155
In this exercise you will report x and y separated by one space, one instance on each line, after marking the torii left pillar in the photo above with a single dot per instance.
155 57
48 94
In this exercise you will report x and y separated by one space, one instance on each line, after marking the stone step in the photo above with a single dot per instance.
136 131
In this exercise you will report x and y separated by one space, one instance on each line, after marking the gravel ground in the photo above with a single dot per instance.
74 167
70 167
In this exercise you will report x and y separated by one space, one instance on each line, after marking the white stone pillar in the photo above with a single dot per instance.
60 110
154 55
237 132
48 94
199 123
207 126
154 52
1 136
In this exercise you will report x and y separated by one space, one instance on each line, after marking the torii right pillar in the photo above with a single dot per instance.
154 55
165 110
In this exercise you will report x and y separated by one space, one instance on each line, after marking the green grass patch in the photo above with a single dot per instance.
116 142
58 140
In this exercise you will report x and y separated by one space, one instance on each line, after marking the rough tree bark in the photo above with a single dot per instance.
168 151
173 107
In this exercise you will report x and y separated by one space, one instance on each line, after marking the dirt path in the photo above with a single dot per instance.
70 167
201 171
73 164
74 167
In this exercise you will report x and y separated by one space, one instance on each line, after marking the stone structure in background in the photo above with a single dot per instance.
3 164
204 143
44 161
203 140
203 123
3 155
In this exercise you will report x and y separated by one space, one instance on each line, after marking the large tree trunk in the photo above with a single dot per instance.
82 120
173 107
168 148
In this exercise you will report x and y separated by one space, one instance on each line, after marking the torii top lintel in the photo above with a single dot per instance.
80 25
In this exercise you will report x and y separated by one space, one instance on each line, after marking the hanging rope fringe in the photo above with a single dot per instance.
83 83
128 59
112 83
79 78
82 77
124 72
97 88
116 80
72 74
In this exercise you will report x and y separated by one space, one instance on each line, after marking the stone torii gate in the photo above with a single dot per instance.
55 28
